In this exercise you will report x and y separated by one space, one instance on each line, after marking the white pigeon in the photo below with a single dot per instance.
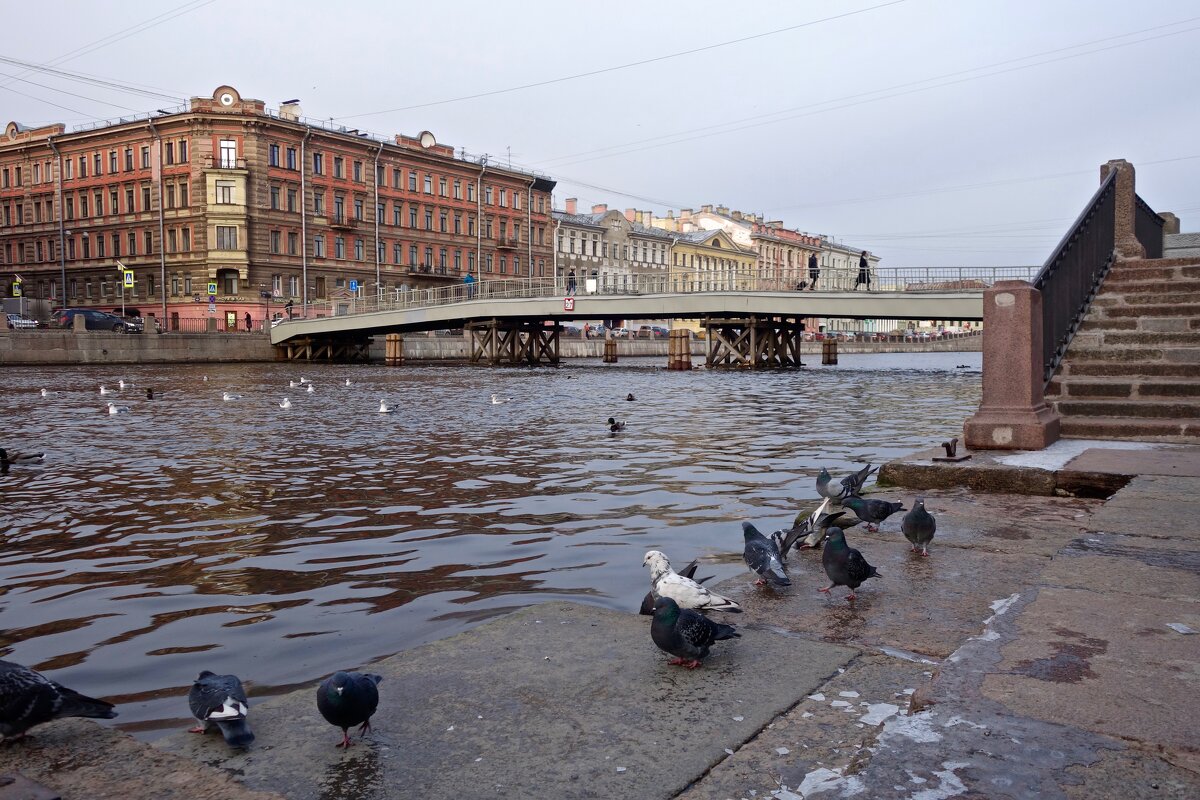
286 403
105 390
227 396
113 408
384 408
310 389
497 399
666 582
814 538
347 381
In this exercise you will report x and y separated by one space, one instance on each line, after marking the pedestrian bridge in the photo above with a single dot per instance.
533 309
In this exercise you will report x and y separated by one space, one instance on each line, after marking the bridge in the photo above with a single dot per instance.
749 320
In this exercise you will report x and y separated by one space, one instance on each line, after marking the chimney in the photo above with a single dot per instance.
631 214
600 208
290 111
723 210
572 204
775 223
685 213
737 215
707 208
670 214
758 218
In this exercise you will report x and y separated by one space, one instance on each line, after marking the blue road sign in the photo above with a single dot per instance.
353 286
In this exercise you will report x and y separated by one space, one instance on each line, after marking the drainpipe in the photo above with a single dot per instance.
304 225
479 221
378 283
62 248
162 242
529 228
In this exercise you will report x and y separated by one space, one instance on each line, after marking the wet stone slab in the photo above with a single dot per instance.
557 700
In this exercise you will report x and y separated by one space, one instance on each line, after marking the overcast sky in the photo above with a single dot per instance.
933 132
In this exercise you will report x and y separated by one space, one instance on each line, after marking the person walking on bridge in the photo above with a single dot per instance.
864 272
814 271
571 282
469 282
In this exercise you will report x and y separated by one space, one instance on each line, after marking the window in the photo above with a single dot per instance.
504 198
318 202
275 198
428 258
395 177
337 167
339 247
396 214
112 162
412 181
100 242
318 246
471 192
116 245
171 240
87 247
442 259
148 236
224 192
293 285
358 209
145 158
412 255
503 264
291 200
488 262
470 261
132 240
228 278
458 260
428 184
97 164
70 248
358 249
412 216
339 208
228 154
183 151
187 284
169 152
396 253
470 226
185 243
129 209
293 244
442 217
37 173
272 155
487 195
145 198
70 206
457 189
458 223
174 286
113 207
380 176
318 164
227 237
170 195
83 166
358 171
276 238
428 219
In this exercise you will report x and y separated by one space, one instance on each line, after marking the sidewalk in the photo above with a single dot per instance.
1031 654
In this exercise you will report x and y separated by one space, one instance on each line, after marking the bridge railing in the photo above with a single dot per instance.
889 280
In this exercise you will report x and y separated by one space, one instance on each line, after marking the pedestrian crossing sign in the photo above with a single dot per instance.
128 278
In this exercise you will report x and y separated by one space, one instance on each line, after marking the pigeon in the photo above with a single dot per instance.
346 699
7 458
666 582
384 408
497 399
852 484
763 557
28 698
684 633
105 390
227 396
220 700
844 565
114 409
285 403
615 426
871 511
918 526
309 388
812 526
647 609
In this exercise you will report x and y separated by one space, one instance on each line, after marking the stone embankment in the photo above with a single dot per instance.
1045 648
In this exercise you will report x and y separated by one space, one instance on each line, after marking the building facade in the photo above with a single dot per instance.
614 249
267 206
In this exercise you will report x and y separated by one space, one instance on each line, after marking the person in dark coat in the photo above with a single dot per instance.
571 282
249 322
288 308
864 272
814 271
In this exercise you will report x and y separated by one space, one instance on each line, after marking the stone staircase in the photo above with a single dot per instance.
1133 369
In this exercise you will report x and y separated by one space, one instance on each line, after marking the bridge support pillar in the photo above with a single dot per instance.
753 343
393 350
679 349
610 351
498 342
311 348
829 354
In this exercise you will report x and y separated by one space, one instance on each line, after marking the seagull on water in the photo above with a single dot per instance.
305 380
286 403
292 384
310 389
497 399
105 390
47 392
384 408
115 409
347 381
123 384
227 396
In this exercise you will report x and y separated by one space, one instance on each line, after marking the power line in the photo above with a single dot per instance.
625 66
811 109
78 77
63 91
41 100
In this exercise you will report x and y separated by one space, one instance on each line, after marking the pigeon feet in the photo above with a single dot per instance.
760 582
693 664
851 596
925 552
197 729
365 729
872 526
345 742
824 589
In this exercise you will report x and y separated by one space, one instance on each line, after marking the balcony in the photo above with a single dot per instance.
508 244
215 161
343 222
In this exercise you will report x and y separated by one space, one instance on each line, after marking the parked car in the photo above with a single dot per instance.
621 333
94 320
571 330
651 332
16 321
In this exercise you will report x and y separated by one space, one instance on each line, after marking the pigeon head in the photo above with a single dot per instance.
612 421
666 610
654 558
749 531
835 538
338 684
204 674
852 501
919 503
824 475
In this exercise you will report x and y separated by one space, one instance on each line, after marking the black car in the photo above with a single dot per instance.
94 320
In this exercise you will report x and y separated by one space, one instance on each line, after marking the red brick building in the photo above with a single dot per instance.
266 205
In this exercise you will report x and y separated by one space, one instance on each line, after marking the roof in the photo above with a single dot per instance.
590 220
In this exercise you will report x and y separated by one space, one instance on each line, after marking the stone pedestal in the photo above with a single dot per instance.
1013 414
1125 244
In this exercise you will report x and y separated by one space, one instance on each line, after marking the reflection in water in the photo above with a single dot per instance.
284 544
357 775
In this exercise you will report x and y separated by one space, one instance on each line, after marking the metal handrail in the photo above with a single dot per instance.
1072 275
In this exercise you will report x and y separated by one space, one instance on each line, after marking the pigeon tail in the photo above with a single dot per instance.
75 704
726 632
236 732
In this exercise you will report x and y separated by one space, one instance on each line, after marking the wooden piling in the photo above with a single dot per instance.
393 350
829 353
610 351
679 350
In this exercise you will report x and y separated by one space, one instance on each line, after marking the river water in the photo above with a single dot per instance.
282 545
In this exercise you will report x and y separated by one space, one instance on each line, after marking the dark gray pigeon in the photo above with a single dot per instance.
871 511
763 557
844 565
853 483
29 698
684 633
823 487
346 699
918 526
220 700
689 571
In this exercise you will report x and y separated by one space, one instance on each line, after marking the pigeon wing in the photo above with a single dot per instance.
857 569
26 699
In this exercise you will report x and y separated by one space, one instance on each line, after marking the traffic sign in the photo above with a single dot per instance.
568 304
128 278
212 308
353 285
16 288
212 288
212 298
